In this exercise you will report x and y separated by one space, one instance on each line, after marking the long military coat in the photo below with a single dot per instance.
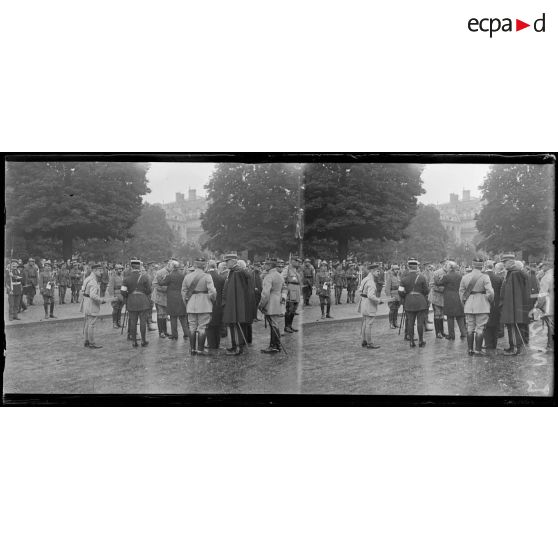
515 298
453 307
239 298
173 281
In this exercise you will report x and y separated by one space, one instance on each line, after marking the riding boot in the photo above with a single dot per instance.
201 344
478 345
45 306
193 345
470 343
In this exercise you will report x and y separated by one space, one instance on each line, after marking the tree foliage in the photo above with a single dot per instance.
518 214
424 238
345 201
65 200
252 207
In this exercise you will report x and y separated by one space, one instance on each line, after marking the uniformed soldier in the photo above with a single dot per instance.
380 279
136 290
351 278
114 286
91 305
76 281
198 293
272 304
368 305
293 279
47 285
324 287
545 301
339 281
393 281
31 280
13 279
436 298
309 274
414 291
63 281
476 294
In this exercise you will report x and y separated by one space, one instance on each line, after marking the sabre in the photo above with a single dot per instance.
278 336
124 320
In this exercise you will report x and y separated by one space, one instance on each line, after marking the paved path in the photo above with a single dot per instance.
324 358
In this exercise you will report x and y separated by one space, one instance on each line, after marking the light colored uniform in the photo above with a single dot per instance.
91 306
368 305
200 304
477 305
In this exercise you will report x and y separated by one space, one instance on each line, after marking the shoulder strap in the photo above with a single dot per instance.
193 285
469 287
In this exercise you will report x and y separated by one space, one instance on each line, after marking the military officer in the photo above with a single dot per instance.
436 298
545 301
309 274
198 293
339 281
476 294
414 291
324 287
272 304
14 289
393 280
136 290
351 278
91 305
47 284
293 279
368 305
114 286
31 280
76 281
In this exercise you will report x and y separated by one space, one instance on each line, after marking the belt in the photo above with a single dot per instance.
363 296
478 292
292 283
16 282
200 292
86 295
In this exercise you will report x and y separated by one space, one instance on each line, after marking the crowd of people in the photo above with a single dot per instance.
485 300
211 300
214 299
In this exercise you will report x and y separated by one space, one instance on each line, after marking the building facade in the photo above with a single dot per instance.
184 216
458 217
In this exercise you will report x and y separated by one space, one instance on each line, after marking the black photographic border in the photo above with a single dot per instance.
282 400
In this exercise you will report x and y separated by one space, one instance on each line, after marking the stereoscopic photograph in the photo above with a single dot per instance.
318 276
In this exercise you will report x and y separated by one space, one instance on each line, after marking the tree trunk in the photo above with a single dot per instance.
67 245
342 248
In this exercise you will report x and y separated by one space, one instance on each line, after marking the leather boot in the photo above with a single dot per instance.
470 343
478 345
201 345
193 350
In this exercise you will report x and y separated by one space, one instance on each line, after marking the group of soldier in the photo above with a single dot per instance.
210 299
490 296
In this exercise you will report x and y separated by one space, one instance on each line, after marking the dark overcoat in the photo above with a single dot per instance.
239 299
416 291
453 307
137 291
173 282
515 301
217 314
494 317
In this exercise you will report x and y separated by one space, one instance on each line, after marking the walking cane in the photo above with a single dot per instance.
124 321
521 336
278 335
242 333
401 320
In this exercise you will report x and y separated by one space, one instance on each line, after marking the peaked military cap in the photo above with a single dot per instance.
200 260
507 256
271 261
230 256
96 266
373 266
135 261
413 261
478 263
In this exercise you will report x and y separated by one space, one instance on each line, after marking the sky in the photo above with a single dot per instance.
439 181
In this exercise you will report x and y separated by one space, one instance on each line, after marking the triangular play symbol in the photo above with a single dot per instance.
519 25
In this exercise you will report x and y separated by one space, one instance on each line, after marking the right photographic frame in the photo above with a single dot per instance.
429 275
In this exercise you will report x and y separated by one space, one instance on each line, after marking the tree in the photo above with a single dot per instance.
66 200
252 207
345 201
151 237
425 238
518 214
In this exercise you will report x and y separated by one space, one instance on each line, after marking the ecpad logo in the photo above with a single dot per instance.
493 25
